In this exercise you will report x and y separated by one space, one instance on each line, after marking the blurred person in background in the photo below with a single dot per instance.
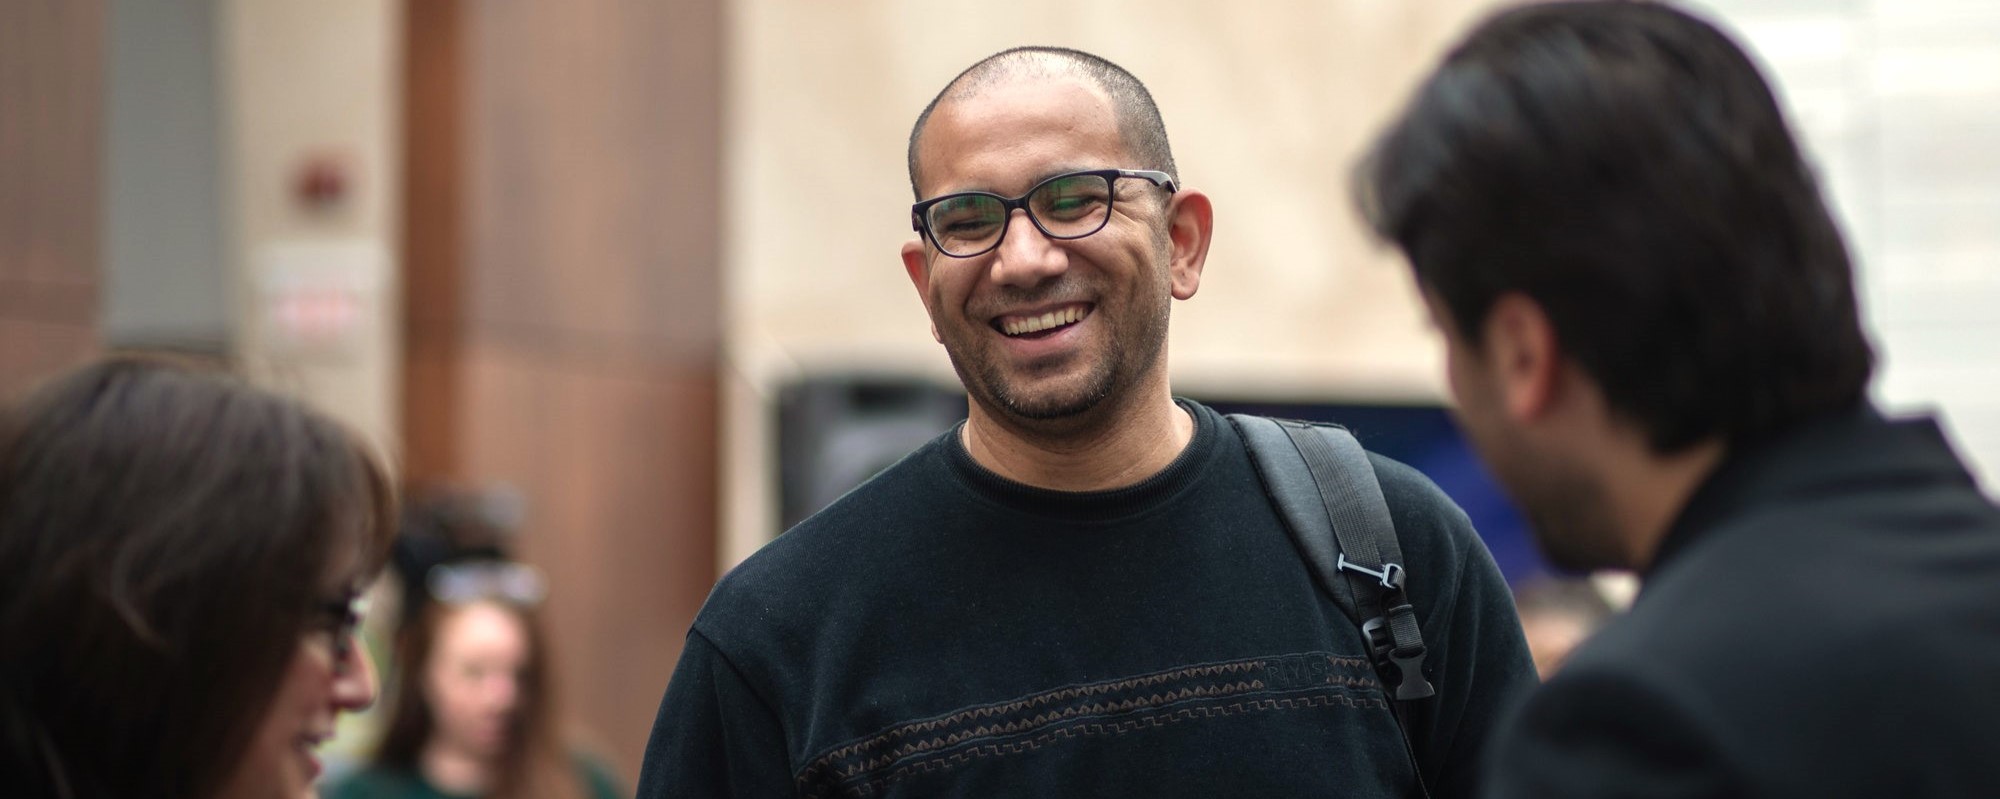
1653 340
180 558
473 713
1556 616
1083 590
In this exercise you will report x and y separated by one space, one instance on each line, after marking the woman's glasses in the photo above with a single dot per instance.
340 619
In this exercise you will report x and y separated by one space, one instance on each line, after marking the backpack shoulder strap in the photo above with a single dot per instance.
1294 493
1340 522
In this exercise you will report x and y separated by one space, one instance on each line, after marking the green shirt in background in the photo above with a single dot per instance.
375 782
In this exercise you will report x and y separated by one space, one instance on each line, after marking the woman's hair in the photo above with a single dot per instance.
165 535
535 762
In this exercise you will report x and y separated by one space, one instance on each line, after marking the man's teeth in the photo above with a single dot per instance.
1036 324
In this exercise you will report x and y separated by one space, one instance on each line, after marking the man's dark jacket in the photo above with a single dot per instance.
1823 620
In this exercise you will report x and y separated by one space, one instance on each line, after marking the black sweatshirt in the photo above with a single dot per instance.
942 631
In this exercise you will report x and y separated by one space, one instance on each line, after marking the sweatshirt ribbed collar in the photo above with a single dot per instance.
1091 506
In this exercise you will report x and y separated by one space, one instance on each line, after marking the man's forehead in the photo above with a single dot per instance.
1016 129
1019 67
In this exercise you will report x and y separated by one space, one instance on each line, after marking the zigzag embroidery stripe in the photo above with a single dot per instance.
874 785
1062 708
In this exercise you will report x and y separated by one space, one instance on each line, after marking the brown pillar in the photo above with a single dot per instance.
563 289
51 157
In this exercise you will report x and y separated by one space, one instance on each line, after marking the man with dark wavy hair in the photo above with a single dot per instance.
1653 340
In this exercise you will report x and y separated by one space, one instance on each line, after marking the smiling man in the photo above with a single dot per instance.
1083 590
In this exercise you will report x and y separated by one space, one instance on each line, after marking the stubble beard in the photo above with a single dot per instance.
1570 519
1127 356
1566 508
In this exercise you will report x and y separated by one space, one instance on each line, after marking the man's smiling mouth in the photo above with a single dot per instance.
1046 322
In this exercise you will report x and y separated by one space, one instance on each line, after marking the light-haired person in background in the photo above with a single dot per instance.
1556 616
1652 337
472 707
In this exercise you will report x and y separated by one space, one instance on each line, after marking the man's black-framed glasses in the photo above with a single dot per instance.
1068 206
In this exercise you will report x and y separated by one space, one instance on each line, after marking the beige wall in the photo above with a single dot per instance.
1267 104
302 79
1897 104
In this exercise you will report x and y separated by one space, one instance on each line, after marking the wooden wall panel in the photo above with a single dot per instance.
617 458
51 151
596 163
563 248
433 247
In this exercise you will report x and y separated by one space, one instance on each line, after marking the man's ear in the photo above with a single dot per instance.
1524 355
1190 225
915 264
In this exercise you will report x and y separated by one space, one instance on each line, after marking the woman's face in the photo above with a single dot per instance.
329 674
474 677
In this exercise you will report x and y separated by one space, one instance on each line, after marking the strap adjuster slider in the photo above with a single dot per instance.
1391 574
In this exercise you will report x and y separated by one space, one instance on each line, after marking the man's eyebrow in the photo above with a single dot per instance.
1030 184
1063 170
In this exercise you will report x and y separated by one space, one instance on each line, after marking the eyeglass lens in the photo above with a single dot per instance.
1067 207
341 619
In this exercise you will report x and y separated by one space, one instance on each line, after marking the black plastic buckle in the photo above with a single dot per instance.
1409 682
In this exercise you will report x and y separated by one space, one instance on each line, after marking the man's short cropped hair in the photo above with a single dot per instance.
1625 166
1139 122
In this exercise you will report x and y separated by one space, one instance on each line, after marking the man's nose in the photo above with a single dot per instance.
354 682
1025 257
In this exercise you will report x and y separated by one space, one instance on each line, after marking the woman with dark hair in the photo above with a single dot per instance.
180 555
472 708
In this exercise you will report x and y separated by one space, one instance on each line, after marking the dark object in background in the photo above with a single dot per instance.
450 525
1425 437
836 432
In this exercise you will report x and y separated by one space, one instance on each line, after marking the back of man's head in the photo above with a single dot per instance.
1139 122
1624 165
